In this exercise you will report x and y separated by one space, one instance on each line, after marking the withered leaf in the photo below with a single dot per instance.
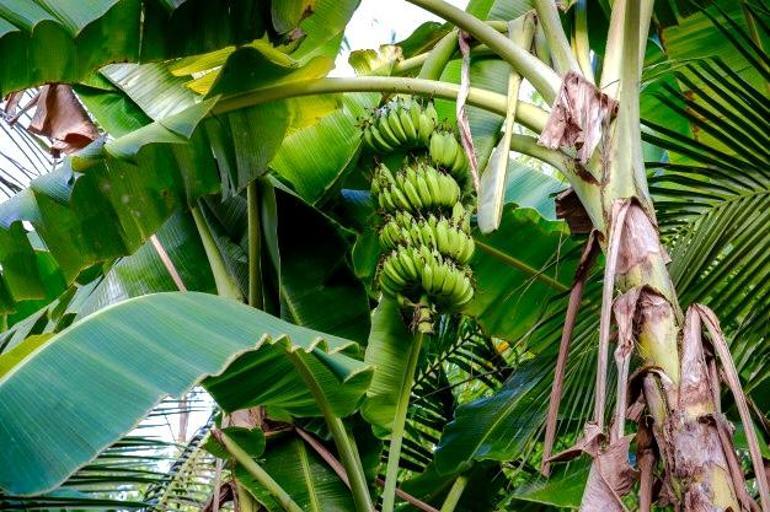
61 117
579 117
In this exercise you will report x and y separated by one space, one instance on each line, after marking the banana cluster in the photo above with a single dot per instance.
402 123
447 153
426 237
447 236
417 187
413 271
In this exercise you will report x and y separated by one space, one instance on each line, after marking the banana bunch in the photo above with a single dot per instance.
416 187
426 237
400 123
448 237
411 272
447 153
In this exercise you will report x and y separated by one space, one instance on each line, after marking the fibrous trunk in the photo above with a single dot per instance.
689 433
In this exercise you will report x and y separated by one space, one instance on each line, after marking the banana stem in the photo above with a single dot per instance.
226 286
439 56
542 77
397 436
262 476
561 52
528 114
255 247
455 493
433 62
580 40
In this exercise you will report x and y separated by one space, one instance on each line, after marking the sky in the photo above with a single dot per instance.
378 22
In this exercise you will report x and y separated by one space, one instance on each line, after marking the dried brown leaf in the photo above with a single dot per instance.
61 117
610 478
579 117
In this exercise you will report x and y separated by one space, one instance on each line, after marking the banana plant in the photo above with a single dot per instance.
460 311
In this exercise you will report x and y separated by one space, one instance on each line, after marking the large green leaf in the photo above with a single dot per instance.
103 374
496 427
93 208
387 350
517 269
314 158
143 272
317 287
563 489
64 41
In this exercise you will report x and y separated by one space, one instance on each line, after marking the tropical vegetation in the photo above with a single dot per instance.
398 290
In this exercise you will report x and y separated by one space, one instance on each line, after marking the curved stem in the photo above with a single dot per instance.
613 55
262 476
588 191
455 493
345 446
580 40
421 59
557 40
439 56
530 116
226 286
543 78
397 436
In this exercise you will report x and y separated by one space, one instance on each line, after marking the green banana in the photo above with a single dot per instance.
426 234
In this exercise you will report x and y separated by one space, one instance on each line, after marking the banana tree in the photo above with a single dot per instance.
221 129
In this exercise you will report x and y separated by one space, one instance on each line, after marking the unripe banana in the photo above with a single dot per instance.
407 260
394 121
427 277
449 283
426 233
412 194
415 111
387 133
408 125
424 190
381 145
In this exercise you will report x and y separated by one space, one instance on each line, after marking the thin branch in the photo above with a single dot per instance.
336 466
166 260
255 246
455 493
399 421
345 445
255 470
520 265
543 78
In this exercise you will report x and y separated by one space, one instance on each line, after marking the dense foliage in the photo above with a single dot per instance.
370 312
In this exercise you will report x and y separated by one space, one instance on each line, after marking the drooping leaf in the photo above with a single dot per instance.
493 428
63 42
154 346
318 288
562 489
